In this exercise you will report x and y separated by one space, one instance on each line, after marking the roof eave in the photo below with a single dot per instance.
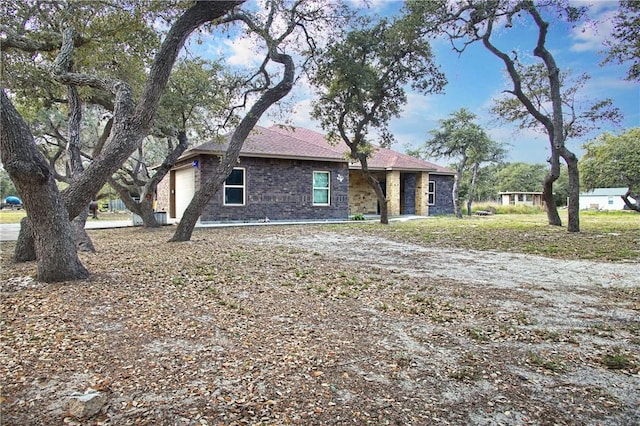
196 152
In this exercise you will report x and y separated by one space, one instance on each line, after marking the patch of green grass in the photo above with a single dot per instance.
178 281
617 360
552 364
501 209
605 237
12 216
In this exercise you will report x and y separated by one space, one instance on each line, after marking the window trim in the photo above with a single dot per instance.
243 187
431 194
327 188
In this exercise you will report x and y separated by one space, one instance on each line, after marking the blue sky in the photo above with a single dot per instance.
476 77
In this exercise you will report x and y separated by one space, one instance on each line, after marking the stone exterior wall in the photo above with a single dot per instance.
163 194
422 194
280 189
393 192
444 200
362 198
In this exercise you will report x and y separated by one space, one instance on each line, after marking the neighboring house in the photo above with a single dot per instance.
514 198
286 173
603 199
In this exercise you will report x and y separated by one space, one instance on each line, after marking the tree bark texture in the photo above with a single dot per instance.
553 124
57 258
573 207
25 250
80 236
553 217
472 187
629 204
455 191
131 125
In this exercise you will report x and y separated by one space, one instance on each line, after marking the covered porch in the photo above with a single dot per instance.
407 193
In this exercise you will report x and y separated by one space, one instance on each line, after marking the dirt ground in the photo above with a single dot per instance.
323 326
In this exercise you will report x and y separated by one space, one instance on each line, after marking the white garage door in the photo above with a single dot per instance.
185 188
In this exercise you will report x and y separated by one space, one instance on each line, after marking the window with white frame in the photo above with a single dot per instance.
234 188
432 192
321 188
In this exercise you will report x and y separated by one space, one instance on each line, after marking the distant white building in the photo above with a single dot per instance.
514 198
603 199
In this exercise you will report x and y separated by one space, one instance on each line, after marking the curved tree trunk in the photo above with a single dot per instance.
547 192
455 191
472 187
454 194
550 203
212 184
375 185
144 207
80 236
57 259
553 123
573 222
629 204
25 250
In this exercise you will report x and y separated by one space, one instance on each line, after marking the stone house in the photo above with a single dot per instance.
290 174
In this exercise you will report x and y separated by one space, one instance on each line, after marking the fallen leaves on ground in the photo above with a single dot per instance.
240 327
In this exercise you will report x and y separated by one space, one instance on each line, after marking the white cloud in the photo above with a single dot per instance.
591 36
243 52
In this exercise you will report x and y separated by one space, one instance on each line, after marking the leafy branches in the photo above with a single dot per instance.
361 81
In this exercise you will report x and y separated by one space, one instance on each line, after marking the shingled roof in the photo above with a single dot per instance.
382 159
300 143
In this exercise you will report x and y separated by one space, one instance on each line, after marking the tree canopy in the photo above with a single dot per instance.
461 139
133 116
624 46
361 80
465 23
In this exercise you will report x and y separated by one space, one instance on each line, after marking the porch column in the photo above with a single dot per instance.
422 194
393 192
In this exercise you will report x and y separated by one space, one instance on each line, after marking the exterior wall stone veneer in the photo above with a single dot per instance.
393 192
163 194
362 198
422 194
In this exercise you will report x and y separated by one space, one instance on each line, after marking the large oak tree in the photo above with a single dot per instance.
361 80
475 21
132 121
283 28
461 139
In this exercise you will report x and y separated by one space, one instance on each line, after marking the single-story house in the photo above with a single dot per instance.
286 173
514 198
603 199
